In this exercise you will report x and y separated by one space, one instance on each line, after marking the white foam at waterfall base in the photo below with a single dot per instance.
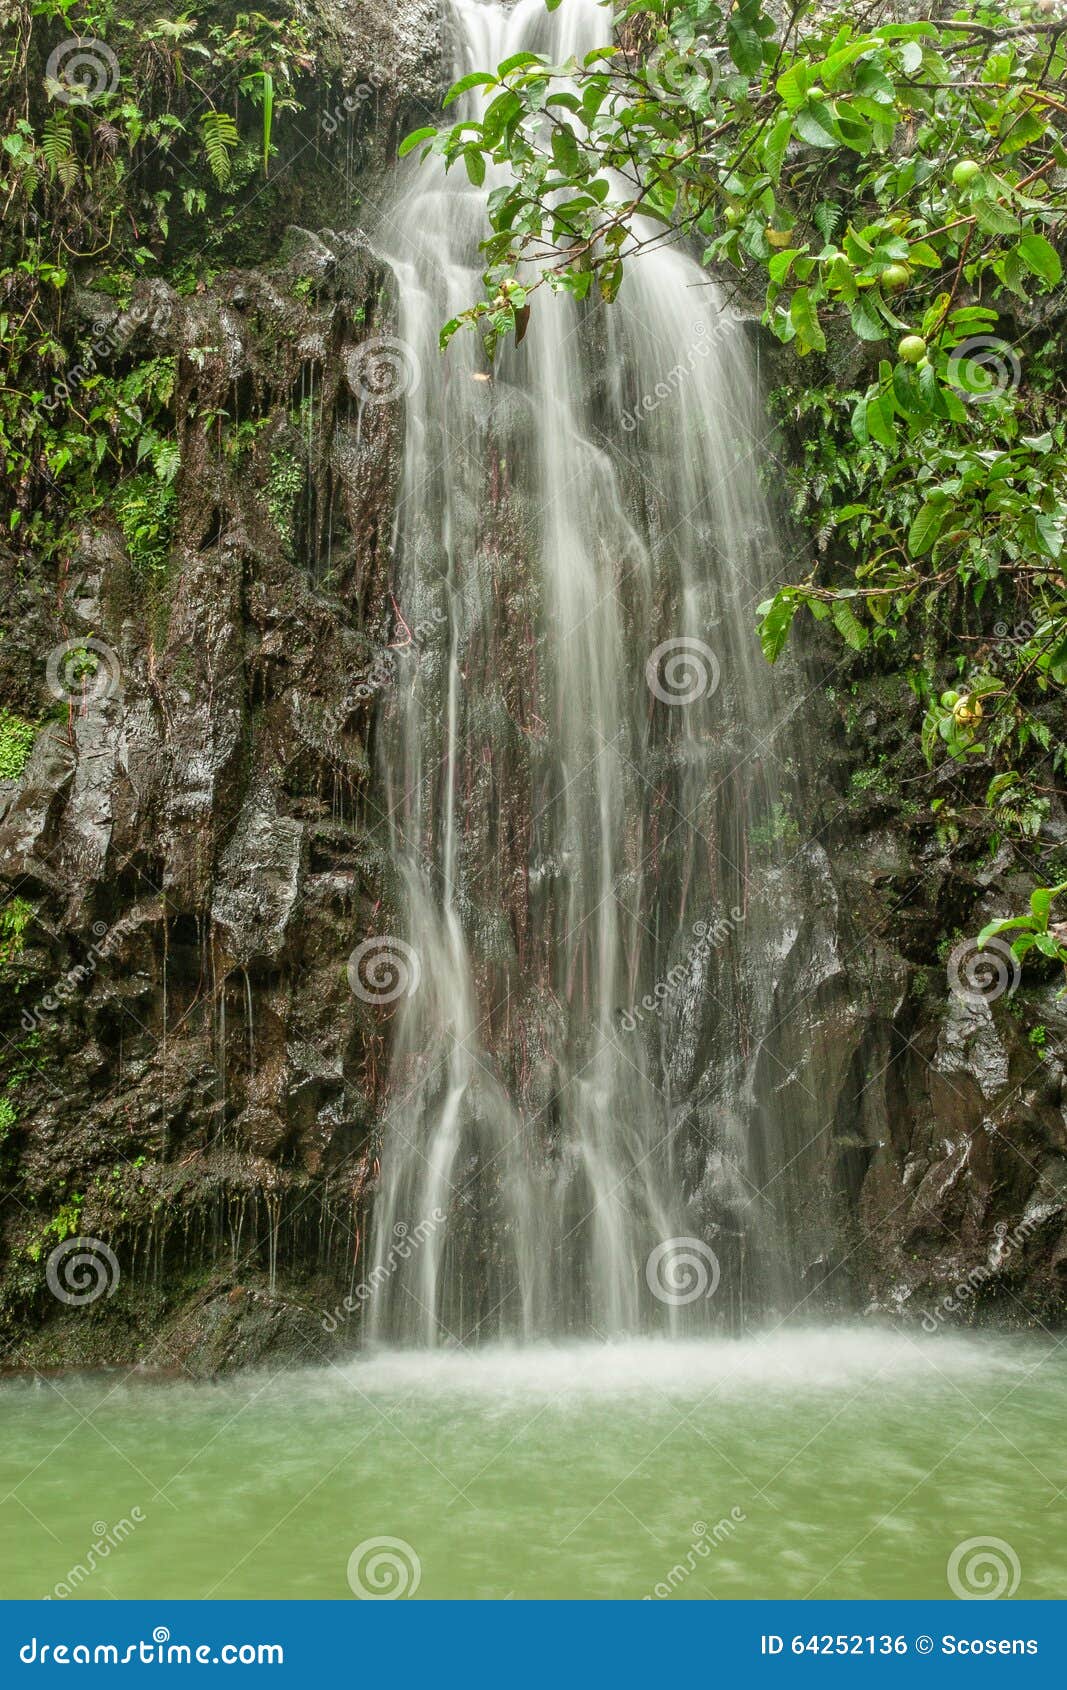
807 1360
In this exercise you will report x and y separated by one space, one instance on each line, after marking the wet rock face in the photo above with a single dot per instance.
937 1118
187 1074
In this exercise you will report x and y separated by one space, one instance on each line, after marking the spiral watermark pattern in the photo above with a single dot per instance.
982 1569
982 976
382 1569
82 1270
682 670
682 1270
983 368
81 70
382 371
683 74
83 672
382 969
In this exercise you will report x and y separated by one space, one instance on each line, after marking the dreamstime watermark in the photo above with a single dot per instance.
160 1651
981 976
701 348
382 969
982 1569
323 734
704 1540
681 670
382 370
83 672
983 368
681 1271
81 1271
353 102
105 1539
708 936
72 982
109 339
1009 1239
382 671
406 1240
1007 638
676 73
383 1569
80 70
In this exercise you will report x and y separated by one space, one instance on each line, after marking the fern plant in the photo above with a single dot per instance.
57 149
219 134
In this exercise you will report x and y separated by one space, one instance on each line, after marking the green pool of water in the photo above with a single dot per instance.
845 1463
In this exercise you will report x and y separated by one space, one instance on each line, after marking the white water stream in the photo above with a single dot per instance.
591 498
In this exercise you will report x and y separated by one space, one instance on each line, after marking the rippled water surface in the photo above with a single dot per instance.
835 1464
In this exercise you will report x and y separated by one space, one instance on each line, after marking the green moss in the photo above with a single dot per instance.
15 917
777 828
65 1223
16 743
284 487
146 508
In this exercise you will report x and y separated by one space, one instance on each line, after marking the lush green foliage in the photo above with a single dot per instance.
16 743
1036 930
128 149
897 189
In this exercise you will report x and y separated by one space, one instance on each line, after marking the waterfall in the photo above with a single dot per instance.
571 768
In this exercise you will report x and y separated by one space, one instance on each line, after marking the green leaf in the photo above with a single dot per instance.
992 928
476 79
794 83
851 630
776 619
1040 256
565 151
805 320
880 424
745 46
412 140
775 144
814 123
866 322
926 526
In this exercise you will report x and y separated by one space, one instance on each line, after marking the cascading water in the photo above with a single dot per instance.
572 769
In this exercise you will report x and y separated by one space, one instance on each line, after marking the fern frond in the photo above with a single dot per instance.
219 134
57 149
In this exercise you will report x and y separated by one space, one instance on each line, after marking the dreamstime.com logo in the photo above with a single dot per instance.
982 1569
983 368
383 370
76 978
83 672
702 347
707 935
1009 1239
406 1240
383 1569
982 976
159 1651
81 70
382 969
81 1271
681 1271
704 1540
681 670
688 75
105 1539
